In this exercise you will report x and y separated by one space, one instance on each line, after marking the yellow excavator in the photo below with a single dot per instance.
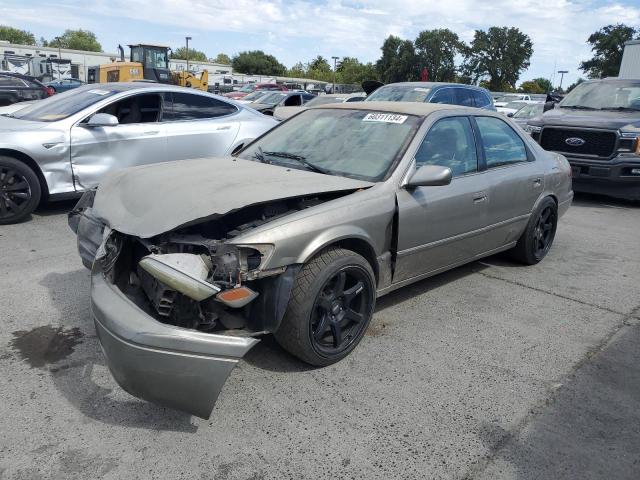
146 62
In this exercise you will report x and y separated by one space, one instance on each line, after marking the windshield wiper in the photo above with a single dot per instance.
578 107
298 158
621 109
259 155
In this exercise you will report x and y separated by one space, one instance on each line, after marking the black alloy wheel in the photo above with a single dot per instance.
340 310
544 232
537 238
19 190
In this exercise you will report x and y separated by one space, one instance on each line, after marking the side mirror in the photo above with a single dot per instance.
548 106
430 176
103 120
510 114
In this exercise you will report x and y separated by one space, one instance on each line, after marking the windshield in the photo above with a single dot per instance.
63 105
155 58
529 111
324 100
350 143
399 93
508 98
255 95
248 88
515 105
272 98
616 95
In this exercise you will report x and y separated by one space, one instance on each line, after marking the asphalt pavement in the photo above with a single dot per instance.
491 371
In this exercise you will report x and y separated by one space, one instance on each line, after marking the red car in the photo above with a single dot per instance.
252 87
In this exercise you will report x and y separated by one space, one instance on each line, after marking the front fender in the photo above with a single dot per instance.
331 236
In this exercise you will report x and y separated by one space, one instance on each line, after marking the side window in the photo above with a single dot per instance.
444 95
502 146
143 108
11 82
480 98
449 143
187 106
464 97
293 101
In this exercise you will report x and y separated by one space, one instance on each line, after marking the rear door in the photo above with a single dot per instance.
442 226
199 125
138 139
515 179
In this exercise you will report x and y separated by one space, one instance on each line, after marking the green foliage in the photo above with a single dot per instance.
537 85
399 62
607 44
222 58
351 71
14 35
194 55
256 62
500 54
77 40
436 50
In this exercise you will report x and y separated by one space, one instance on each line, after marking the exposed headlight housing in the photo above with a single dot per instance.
183 272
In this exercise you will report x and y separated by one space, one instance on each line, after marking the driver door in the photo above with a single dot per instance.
440 227
138 139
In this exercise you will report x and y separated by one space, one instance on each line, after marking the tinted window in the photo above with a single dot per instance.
450 143
464 97
11 82
143 108
196 107
480 98
444 95
502 145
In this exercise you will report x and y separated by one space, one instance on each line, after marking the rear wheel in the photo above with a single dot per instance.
19 190
330 308
536 240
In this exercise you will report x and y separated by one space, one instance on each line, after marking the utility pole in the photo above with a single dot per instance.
187 52
335 60
562 72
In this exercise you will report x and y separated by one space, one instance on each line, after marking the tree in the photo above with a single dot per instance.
298 70
319 69
351 71
256 62
77 40
537 85
607 45
500 54
222 58
398 62
194 55
436 51
14 35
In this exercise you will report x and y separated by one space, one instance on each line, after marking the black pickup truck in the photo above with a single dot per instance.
597 128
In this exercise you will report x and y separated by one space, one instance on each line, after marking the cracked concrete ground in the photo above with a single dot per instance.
490 371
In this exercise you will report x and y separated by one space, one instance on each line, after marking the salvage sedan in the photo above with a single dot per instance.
59 147
297 235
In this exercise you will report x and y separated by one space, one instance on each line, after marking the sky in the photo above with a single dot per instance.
299 30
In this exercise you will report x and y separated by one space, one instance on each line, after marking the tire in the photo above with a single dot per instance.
316 318
20 190
536 240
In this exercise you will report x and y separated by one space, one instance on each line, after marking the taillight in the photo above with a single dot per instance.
49 90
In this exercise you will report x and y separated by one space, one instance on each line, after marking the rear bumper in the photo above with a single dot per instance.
176 367
613 178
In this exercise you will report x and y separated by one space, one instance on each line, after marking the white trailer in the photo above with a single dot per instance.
630 66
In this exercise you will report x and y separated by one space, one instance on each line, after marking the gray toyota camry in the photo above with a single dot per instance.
298 234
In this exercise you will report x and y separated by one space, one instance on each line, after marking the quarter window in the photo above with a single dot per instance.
187 106
444 95
450 143
464 97
480 98
502 146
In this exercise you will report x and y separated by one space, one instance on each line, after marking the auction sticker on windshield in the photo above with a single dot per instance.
100 92
384 117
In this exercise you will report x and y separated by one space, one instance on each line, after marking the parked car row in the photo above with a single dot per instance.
15 88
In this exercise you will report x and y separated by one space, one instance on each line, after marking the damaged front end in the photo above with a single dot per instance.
175 312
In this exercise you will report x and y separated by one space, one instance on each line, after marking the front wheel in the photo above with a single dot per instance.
536 240
19 190
331 305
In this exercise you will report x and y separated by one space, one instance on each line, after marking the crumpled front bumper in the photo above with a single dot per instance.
176 367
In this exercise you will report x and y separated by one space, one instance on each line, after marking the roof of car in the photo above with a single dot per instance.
434 84
410 108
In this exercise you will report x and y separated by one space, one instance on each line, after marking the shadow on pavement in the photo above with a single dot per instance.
592 200
76 376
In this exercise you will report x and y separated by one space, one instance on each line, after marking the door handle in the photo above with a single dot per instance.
537 182
479 197
151 132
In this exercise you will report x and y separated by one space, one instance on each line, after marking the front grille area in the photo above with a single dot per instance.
599 143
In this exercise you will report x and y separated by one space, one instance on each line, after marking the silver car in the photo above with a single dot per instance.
64 145
299 233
